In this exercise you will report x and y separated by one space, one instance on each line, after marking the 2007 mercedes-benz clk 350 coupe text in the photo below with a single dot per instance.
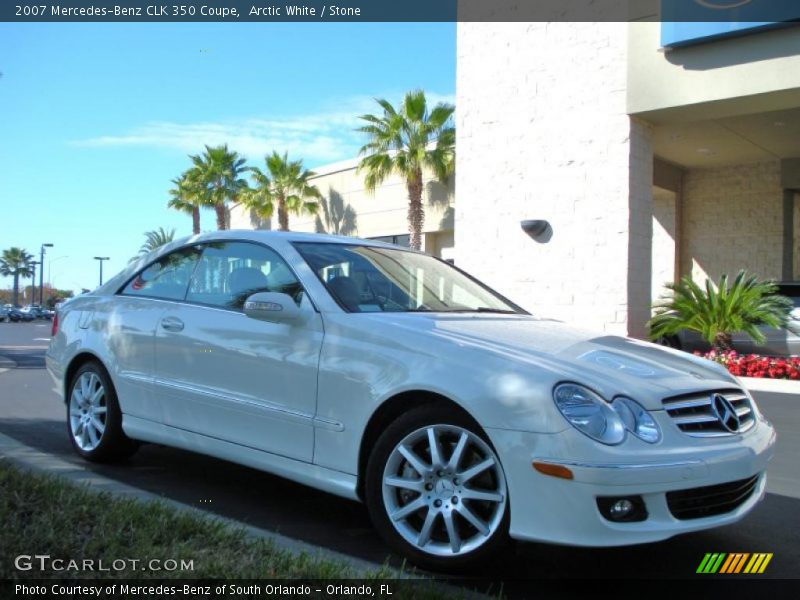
391 377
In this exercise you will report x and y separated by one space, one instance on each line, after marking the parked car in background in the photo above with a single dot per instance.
28 314
5 314
779 342
38 311
389 376
13 313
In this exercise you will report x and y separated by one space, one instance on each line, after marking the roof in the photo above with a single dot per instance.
255 235
265 235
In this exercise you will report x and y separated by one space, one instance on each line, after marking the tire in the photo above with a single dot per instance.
94 419
425 534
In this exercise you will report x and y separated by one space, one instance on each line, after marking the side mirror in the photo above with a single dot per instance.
273 307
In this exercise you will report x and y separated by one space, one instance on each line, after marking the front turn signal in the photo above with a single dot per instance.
553 470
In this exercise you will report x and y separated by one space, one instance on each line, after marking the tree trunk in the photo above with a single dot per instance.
723 341
416 213
283 214
195 220
16 289
221 211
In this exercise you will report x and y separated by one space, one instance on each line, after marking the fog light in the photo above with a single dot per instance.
623 510
620 509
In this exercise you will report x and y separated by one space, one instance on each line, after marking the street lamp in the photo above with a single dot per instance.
101 259
41 273
33 264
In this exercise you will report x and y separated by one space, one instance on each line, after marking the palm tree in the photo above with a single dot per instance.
218 179
16 262
186 197
717 314
154 240
405 142
283 187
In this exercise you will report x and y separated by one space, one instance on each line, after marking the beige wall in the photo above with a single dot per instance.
664 235
348 209
712 80
733 219
533 144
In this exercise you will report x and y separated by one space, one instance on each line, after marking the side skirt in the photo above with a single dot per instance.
327 480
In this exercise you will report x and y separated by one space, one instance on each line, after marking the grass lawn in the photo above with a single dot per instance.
42 514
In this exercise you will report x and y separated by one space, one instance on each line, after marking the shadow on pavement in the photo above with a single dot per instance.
316 517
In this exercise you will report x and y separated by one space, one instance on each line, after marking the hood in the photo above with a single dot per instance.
611 365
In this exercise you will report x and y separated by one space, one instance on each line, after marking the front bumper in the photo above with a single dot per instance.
551 509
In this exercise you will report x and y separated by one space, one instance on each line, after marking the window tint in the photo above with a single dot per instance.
230 272
167 278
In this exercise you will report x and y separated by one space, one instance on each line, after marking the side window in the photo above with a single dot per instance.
229 272
168 278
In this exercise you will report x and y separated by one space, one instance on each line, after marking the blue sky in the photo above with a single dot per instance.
96 119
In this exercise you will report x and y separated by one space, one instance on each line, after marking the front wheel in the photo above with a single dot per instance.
436 491
94 420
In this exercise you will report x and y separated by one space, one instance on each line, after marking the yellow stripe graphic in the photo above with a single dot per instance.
765 563
749 567
758 562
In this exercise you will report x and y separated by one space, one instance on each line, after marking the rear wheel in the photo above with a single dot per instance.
94 420
436 490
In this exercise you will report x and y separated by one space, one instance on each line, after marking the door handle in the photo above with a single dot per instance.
172 324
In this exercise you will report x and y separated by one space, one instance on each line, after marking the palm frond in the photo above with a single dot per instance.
720 310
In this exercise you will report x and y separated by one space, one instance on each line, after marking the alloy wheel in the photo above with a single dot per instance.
87 411
444 490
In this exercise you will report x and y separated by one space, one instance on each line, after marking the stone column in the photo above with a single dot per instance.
543 133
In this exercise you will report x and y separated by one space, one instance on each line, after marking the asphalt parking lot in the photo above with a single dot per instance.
31 413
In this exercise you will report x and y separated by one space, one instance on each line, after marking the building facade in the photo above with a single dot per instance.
648 162
347 208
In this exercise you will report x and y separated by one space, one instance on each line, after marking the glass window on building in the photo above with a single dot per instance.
398 240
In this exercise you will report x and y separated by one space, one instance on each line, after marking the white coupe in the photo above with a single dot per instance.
391 377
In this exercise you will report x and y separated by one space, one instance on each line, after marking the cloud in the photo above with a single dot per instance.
325 136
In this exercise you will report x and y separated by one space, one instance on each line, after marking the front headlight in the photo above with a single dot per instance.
637 420
589 413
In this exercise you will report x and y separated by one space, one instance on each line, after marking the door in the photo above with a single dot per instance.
132 323
222 374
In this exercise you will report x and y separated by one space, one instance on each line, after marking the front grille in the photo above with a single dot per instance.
694 414
712 500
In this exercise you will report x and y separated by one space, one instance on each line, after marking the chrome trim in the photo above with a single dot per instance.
689 420
698 409
330 424
570 463
280 412
293 415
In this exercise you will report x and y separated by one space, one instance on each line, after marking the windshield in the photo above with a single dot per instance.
374 279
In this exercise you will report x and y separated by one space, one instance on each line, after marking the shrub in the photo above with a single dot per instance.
753 365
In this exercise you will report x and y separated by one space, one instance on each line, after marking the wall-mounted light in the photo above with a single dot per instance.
538 229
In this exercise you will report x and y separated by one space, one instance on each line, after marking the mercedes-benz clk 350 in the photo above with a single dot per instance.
390 377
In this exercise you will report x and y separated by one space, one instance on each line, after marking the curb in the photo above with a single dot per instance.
30 459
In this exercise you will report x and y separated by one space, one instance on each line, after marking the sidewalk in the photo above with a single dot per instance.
777 386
